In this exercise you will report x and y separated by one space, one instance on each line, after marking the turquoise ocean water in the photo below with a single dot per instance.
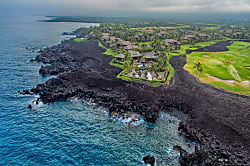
66 133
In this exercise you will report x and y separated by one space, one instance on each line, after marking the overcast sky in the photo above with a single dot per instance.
125 7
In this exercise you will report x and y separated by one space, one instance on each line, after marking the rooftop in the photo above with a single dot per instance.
135 54
121 56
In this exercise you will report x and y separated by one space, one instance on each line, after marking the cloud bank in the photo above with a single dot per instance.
130 7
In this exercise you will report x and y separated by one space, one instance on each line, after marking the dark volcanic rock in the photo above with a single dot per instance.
30 106
149 160
217 47
76 32
218 120
25 92
86 74
179 149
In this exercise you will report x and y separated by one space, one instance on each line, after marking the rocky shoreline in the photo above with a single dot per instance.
218 120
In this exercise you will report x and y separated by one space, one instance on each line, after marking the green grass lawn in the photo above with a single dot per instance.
185 47
108 50
146 43
228 66
80 40
213 28
164 27
182 51
113 63
176 27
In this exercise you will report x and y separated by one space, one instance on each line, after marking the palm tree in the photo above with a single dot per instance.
126 65
200 70
145 73
143 60
197 66
127 55
143 46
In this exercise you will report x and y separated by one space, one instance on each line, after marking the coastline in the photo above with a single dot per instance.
84 73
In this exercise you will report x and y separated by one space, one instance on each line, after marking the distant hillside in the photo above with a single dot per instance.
142 22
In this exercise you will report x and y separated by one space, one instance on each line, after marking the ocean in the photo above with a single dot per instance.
72 132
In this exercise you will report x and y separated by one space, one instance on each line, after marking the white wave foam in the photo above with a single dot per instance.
127 119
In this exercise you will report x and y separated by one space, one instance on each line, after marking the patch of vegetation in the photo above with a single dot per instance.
182 51
147 47
153 83
163 27
236 89
116 64
131 21
123 64
213 28
101 45
80 39
230 68
195 46
175 27
108 50
171 69
111 52
143 43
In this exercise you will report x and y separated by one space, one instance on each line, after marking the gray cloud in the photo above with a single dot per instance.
121 7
